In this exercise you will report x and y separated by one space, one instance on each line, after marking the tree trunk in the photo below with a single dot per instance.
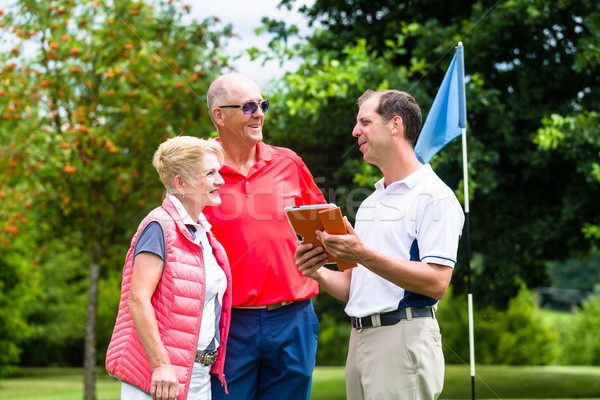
89 363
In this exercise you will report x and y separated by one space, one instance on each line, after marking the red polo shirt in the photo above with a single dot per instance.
251 224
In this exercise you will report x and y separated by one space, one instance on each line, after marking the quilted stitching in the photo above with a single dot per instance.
178 302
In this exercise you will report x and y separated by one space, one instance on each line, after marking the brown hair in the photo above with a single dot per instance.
397 103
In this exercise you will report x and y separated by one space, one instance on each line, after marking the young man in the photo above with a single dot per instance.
405 243
273 334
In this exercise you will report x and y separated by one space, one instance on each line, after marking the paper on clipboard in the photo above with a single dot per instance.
305 220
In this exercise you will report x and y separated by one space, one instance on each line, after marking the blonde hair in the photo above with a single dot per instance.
182 155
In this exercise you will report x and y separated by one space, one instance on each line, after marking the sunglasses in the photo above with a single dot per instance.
250 107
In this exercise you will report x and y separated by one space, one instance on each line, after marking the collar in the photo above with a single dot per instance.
201 222
263 152
409 182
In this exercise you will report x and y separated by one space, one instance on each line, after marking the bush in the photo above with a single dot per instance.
517 336
108 307
333 341
57 317
580 344
13 327
334 330
452 315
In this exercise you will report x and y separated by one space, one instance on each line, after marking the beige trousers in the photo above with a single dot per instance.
401 361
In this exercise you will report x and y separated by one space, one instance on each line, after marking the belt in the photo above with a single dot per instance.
268 307
392 317
206 357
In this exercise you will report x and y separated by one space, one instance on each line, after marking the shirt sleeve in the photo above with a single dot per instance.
310 192
440 232
152 240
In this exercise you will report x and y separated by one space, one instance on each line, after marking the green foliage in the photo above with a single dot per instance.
578 138
334 330
580 344
527 206
333 340
516 336
88 90
315 110
576 274
101 87
110 293
15 279
57 317
523 337
19 290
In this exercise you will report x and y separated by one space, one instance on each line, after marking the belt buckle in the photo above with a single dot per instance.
206 358
357 323
277 306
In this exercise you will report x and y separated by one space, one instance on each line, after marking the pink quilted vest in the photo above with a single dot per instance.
178 302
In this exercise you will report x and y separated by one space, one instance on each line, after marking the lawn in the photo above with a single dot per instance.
491 382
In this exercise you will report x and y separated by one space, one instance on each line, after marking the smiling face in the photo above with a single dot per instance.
203 190
232 121
372 132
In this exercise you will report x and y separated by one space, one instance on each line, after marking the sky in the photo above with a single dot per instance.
245 16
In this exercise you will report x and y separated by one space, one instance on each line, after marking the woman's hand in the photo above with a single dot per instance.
164 383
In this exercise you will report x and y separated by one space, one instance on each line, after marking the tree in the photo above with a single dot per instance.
583 275
576 138
526 205
88 91
16 279
315 109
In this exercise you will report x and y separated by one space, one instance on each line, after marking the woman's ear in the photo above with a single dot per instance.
179 184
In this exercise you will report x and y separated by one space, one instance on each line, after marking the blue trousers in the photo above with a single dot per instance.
270 354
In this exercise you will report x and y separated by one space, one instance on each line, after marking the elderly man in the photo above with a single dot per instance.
273 335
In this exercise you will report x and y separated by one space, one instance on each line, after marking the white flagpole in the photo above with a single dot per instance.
462 122
470 292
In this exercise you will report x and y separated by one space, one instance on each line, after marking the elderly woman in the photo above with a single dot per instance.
174 313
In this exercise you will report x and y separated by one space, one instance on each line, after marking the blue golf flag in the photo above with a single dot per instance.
448 115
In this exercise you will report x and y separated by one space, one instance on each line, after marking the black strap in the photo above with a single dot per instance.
392 317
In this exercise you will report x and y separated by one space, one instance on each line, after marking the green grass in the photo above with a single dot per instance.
491 382
504 382
556 318
55 384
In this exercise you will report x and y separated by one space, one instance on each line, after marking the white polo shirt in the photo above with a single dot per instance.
418 219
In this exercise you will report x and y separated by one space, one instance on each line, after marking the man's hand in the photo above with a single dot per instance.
164 383
309 260
347 247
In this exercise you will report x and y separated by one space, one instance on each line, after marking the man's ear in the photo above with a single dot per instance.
397 125
218 115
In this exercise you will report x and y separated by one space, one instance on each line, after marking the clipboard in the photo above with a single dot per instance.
305 220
